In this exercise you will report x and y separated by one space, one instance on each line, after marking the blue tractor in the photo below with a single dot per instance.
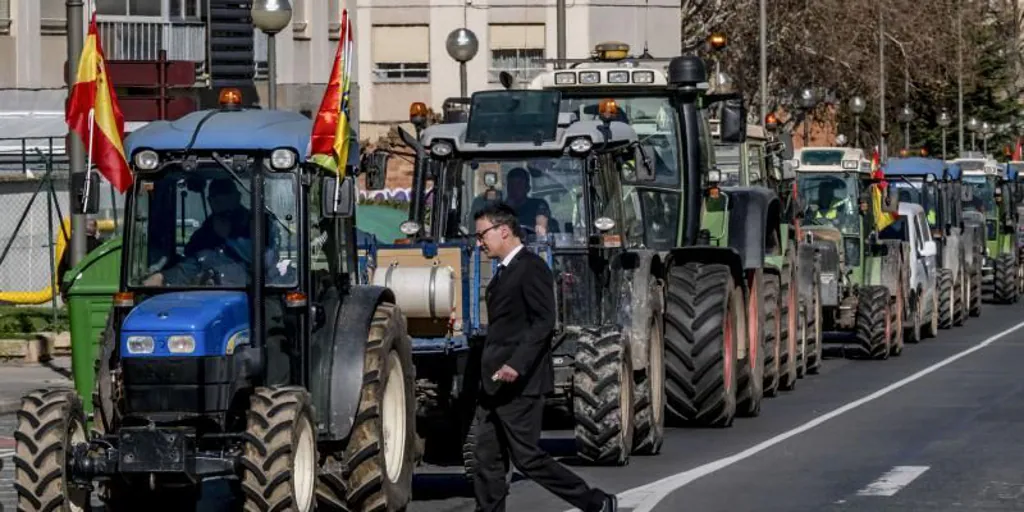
243 344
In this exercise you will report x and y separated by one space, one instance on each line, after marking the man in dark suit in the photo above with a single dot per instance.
516 372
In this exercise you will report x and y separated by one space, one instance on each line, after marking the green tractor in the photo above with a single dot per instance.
863 276
989 199
793 306
717 294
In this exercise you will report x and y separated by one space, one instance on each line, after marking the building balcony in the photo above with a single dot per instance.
143 40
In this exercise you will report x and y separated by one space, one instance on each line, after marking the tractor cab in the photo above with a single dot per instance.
745 163
926 181
830 182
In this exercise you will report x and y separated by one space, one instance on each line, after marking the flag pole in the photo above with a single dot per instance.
74 146
88 160
344 41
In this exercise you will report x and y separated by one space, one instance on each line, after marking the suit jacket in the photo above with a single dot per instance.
520 326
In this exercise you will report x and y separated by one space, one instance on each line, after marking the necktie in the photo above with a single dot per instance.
497 273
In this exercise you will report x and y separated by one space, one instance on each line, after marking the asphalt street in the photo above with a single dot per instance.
914 433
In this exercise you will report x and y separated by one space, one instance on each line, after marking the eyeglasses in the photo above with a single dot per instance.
480 235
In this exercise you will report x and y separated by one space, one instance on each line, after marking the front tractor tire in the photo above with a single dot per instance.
50 422
649 388
373 472
944 288
873 323
1005 279
975 287
602 388
702 327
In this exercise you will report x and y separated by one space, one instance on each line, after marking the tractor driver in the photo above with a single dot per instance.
533 212
221 249
830 204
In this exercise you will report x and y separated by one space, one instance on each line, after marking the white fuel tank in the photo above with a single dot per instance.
421 292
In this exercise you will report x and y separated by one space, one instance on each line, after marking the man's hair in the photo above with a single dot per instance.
519 173
223 186
500 214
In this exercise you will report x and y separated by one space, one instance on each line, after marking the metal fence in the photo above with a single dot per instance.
143 40
34 198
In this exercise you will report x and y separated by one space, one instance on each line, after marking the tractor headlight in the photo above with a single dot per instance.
282 159
580 145
714 176
409 227
604 224
567 78
146 160
441 148
618 77
181 344
643 77
140 345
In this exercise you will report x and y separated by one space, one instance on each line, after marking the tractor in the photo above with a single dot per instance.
793 341
564 174
240 346
989 200
929 182
863 275
712 374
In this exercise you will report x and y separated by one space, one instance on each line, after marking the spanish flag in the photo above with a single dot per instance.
331 140
93 113
878 194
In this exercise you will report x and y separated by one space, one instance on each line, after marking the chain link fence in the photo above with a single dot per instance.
35 219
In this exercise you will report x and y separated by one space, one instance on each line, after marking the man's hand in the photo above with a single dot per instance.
505 374
540 225
154 280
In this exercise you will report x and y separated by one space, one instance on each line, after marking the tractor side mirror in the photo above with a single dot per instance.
375 166
338 200
506 79
929 249
891 203
89 205
734 122
644 164
929 178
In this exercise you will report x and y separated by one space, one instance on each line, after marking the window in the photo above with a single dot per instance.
401 53
129 8
517 49
5 9
187 9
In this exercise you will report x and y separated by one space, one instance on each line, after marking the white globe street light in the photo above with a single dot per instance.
271 17
462 46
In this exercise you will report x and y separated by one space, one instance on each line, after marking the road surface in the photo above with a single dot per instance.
935 429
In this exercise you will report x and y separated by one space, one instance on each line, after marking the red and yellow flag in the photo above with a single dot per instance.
331 140
93 113
879 191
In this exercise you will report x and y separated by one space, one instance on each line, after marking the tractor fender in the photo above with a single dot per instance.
636 301
337 357
808 270
750 209
829 268
953 253
707 254
894 254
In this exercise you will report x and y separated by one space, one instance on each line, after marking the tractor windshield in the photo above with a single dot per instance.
655 123
546 192
919 192
727 156
830 200
983 195
193 229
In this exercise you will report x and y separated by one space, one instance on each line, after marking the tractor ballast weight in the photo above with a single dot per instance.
241 349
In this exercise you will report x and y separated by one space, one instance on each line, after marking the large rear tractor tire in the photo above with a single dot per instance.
50 423
603 397
975 309
1005 279
944 286
789 338
896 324
874 323
772 328
814 355
916 322
751 369
959 298
649 389
930 329
374 471
702 320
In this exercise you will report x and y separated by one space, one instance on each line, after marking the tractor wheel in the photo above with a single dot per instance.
701 330
750 377
896 323
649 390
915 326
279 459
772 328
931 324
944 285
975 309
602 389
789 337
814 355
959 312
804 341
50 422
874 326
1005 279
380 455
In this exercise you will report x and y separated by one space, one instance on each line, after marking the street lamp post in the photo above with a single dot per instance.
944 120
857 106
986 131
462 46
974 125
808 100
271 17
906 117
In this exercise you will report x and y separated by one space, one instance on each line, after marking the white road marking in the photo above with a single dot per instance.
890 483
646 497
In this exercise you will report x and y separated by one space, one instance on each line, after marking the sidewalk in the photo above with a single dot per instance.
17 379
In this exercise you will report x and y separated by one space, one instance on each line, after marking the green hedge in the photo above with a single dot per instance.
18 321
